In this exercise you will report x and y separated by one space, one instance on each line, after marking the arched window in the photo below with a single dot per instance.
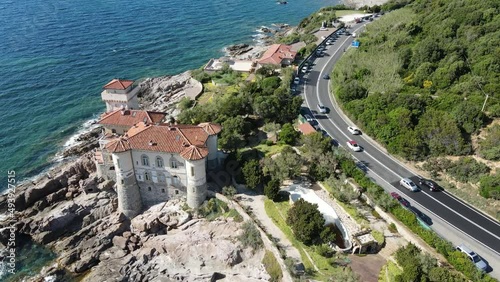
162 178
147 177
175 180
145 160
159 162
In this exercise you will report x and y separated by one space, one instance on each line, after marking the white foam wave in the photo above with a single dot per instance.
72 141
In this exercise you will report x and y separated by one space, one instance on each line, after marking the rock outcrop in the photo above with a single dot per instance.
163 93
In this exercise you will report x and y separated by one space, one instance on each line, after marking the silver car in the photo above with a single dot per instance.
408 184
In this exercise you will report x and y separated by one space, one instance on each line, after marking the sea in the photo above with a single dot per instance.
55 56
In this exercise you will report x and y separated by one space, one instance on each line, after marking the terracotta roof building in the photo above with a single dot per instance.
121 120
278 54
306 128
120 94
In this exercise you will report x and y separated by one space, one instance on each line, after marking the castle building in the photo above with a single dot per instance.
152 161
120 94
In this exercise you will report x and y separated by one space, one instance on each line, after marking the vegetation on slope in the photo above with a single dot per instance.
419 80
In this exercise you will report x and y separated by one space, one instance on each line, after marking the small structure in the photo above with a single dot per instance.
120 94
237 65
364 242
355 44
306 128
278 55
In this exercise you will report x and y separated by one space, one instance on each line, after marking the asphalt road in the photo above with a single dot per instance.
442 206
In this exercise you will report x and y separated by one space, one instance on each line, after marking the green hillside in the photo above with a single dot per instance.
420 78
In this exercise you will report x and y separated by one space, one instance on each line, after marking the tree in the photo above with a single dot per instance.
288 134
315 145
185 103
252 174
288 164
272 189
306 221
232 137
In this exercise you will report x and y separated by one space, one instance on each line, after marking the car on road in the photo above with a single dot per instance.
408 184
354 34
308 118
475 258
322 109
400 199
296 80
353 146
354 130
326 76
428 183
304 69
427 220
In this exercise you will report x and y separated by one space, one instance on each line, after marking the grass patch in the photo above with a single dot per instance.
379 237
341 13
269 150
272 266
392 271
277 212
234 214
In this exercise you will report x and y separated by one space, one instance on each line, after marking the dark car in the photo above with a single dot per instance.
421 215
400 199
429 184
326 76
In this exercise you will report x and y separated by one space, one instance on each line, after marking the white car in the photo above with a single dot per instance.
354 130
408 184
296 80
354 34
353 146
304 69
322 109
475 258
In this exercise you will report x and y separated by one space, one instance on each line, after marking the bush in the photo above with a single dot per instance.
229 191
392 228
490 186
467 169
272 189
306 221
379 237
250 236
272 266
324 250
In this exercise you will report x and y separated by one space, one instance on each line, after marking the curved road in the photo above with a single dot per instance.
441 206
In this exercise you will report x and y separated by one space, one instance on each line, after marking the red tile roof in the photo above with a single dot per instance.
118 84
276 53
131 117
187 140
211 128
306 128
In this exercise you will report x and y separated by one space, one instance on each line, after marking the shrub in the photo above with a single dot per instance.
379 237
272 266
272 189
376 215
468 169
250 236
392 228
324 250
490 186
306 221
229 191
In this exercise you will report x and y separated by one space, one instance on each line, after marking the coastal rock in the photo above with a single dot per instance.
163 93
238 49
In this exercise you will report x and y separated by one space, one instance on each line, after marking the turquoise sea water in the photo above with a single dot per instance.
56 55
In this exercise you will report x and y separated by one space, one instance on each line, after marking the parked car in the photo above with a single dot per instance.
354 130
475 258
353 146
400 199
326 76
408 184
428 183
304 69
296 80
308 118
421 215
322 109
354 34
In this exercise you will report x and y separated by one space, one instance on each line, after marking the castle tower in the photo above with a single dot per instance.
196 184
212 130
129 197
120 94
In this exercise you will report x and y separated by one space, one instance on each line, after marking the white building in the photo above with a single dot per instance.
120 94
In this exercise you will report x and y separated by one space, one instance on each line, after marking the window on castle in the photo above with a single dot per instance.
113 130
159 162
149 188
176 192
175 180
111 168
192 171
163 190
173 164
161 178
145 160
123 181
147 176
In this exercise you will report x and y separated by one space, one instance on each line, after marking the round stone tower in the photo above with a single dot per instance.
196 182
129 197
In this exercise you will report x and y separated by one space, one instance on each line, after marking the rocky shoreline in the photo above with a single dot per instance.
74 213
